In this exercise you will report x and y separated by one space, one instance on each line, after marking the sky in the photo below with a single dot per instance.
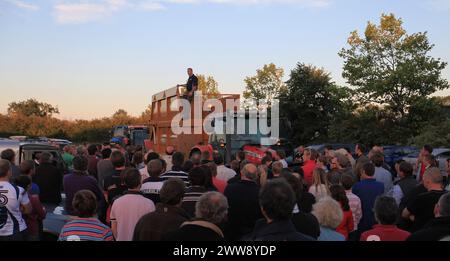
93 57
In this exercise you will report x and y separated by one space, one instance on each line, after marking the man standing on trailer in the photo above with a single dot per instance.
191 85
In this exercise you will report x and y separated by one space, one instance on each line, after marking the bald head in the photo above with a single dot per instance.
443 206
432 178
249 172
170 150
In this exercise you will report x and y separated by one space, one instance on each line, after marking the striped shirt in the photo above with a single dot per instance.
85 229
191 196
176 174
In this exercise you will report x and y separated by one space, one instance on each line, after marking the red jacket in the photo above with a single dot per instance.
220 185
385 233
347 225
308 169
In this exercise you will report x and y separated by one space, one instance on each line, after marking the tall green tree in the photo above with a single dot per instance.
266 84
390 67
311 101
32 107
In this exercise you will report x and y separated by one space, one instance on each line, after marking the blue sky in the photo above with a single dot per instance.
92 57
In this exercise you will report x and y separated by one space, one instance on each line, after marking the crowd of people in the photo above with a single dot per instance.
114 193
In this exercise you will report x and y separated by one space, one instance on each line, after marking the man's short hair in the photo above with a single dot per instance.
178 159
277 167
218 158
84 203
197 177
80 163
377 159
369 169
343 161
347 181
92 149
428 148
8 155
266 159
434 174
406 168
151 156
26 167
46 157
117 159
132 178
444 205
172 191
386 210
212 207
154 168
106 153
5 167
277 199
361 147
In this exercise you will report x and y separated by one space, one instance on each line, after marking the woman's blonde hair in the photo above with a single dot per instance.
320 178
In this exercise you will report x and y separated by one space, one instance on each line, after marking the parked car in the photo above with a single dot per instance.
394 153
441 155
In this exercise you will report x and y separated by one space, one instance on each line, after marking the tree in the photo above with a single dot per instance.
32 107
311 101
266 84
208 86
390 67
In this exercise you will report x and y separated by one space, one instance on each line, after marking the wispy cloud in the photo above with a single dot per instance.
82 11
23 5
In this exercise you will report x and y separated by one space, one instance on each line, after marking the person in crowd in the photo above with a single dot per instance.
304 221
381 174
397 169
138 160
14 203
309 159
129 208
196 158
86 226
347 224
360 151
282 156
277 200
210 213
439 227
220 185
404 185
67 156
209 184
80 179
187 166
105 167
243 199
176 171
114 185
240 156
420 164
38 212
266 163
277 168
27 168
340 164
197 179
421 210
322 163
319 187
354 202
151 186
386 213
10 156
167 217
329 214
346 153
206 156
49 179
170 150
92 160
368 189
223 173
